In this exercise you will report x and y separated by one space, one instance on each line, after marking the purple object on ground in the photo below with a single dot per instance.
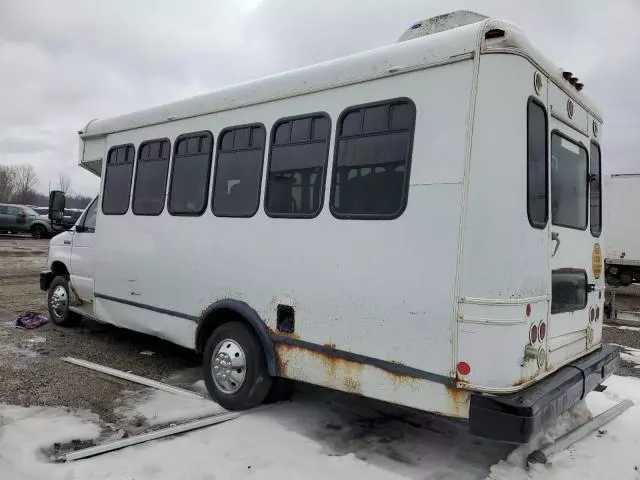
31 320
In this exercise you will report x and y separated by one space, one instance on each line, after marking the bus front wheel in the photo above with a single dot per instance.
235 370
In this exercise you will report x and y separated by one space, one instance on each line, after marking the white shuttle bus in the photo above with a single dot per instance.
420 223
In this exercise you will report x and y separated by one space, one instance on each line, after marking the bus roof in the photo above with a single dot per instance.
427 51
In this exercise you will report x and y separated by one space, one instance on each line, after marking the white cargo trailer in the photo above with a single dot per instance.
622 253
419 223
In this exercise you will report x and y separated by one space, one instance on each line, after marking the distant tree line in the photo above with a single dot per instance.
18 185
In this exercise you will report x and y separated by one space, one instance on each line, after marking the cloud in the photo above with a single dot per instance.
66 62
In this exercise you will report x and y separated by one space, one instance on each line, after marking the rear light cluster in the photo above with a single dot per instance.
594 314
537 332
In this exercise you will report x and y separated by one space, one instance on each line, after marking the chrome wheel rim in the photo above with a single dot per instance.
59 301
228 366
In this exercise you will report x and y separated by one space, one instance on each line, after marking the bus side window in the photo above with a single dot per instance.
537 169
238 171
190 173
297 166
151 177
117 180
372 160
595 192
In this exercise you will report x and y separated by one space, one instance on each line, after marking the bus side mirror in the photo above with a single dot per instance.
56 205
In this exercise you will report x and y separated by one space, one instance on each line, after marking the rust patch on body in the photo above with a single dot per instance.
278 333
346 371
459 400
352 386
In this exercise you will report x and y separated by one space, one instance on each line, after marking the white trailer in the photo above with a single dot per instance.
622 255
419 223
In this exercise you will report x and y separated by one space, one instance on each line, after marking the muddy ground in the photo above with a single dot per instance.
31 372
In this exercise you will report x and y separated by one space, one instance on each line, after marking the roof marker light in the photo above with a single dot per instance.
494 33
567 75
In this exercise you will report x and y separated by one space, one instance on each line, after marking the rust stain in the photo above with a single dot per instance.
352 386
278 333
334 363
459 399
332 346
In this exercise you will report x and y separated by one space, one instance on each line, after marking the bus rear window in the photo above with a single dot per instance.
569 169
568 290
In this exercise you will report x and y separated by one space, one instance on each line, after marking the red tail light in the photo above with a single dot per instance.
542 330
598 313
533 334
464 368
592 314
528 309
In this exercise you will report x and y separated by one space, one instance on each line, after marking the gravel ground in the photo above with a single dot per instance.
31 372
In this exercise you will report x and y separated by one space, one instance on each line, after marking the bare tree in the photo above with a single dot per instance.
25 183
7 182
64 182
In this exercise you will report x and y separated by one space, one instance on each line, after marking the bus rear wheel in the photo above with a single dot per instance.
235 370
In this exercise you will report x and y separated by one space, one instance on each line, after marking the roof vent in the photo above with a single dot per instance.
441 23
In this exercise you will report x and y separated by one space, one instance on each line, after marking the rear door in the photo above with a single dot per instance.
571 244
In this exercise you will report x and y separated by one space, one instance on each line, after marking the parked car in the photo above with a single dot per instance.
42 211
19 219
70 217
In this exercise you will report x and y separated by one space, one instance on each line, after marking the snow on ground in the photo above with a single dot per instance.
613 452
319 435
635 329
629 354
158 407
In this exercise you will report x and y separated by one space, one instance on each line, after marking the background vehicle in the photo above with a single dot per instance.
622 255
378 224
22 219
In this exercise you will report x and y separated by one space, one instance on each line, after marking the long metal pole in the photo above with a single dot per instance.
131 377
145 437
542 455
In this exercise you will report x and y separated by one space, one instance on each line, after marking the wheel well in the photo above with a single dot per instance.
38 225
216 316
59 268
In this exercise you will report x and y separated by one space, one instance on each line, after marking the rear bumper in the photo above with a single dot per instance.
518 416
45 280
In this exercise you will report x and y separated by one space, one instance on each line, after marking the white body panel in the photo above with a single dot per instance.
446 281
82 271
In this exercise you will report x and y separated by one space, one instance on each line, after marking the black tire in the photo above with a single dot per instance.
59 313
38 232
256 383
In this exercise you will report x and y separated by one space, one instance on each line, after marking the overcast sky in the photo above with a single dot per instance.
65 62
